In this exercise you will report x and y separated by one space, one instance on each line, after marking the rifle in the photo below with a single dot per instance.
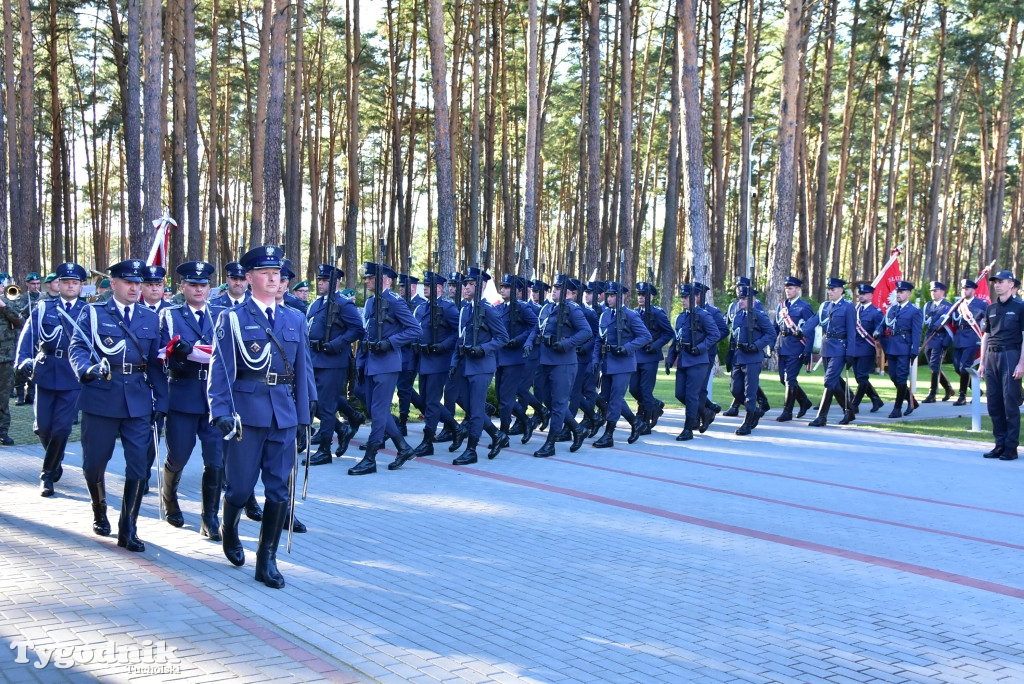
619 323
378 287
331 304
408 283
477 295
432 303
562 312
650 293
513 302
749 323
693 318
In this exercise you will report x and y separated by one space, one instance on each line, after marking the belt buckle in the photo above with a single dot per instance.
126 368
271 379
59 353
203 374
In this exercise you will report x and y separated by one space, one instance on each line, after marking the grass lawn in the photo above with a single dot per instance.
957 428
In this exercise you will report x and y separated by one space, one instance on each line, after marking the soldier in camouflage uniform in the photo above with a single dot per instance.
24 389
10 324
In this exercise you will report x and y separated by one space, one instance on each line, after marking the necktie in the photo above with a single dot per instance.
67 307
201 316
270 315
127 315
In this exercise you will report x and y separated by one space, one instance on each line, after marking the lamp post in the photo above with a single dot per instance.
750 192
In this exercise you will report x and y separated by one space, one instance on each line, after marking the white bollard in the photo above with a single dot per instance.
913 376
975 400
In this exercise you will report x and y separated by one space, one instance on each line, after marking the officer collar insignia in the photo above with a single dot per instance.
254 347
107 341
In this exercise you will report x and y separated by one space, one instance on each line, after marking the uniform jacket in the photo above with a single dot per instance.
655 320
965 335
399 327
242 347
346 328
790 344
705 337
491 335
186 380
634 336
575 332
518 331
447 315
51 333
933 313
225 300
585 352
762 334
870 316
295 303
900 330
838 323
132 395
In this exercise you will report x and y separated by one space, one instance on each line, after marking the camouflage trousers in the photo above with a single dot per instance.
6 383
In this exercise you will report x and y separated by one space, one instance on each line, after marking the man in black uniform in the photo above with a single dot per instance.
1002 364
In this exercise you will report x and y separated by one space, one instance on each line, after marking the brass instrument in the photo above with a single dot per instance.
12 292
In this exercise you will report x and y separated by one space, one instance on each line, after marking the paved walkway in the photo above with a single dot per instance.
797 554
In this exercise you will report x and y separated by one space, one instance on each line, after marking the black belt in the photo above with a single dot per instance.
1002 347
835 336
900 332
201 373
128 368
57 353
267 378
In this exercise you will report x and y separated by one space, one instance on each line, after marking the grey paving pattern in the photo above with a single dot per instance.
794 555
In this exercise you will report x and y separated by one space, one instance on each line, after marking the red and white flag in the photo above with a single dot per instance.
200 353
982 292
158 253
885 282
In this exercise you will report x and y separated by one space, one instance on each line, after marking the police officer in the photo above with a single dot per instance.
333 324
534 390
861 352
561 329
966 341
288 275
114 352
622 333
1002 364
481 335
439 331
43 353
762 399
752 331
793 346
649 356
519 321
388 326
259 388
695 333
900 335
838 322
709 409
407 378
237 291
153 278
937 340
583 395
188 330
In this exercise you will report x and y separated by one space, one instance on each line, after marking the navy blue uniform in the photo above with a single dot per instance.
1004 330
793 346
695 334
749 340
966 343
584 386
616 357
519 320
648 361
330 355
437 341
473 361
723 332
900 336
47 338
861 353
935 350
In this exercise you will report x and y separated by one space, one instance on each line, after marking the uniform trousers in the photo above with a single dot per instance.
380 391
98 435
1004 394
181 434
267 452
745 383
689 382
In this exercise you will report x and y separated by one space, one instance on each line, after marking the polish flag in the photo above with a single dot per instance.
982 292
200 353
159 252
885 282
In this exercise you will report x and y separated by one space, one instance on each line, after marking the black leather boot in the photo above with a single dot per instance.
912 402
468 456
748 424
545 417
368 464
323 450
517 427
822 419
98 494
297 526
274 519
579 433
405 453
447 434
762 402
787 408
209 525
930 399
529 425
345 434
169 494
548 448
230 542
606 440
897 407
876 401
961 400
946 387
426 447
458 439
804 403
499 443
639 426
127 536
252 508
733 410
403 424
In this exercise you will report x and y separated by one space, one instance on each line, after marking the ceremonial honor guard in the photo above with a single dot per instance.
900 335
1002 364
752 331
439 331
186 337
762 400
967 319
389 326
519 321
334 324
287 276
258 389
473 362
649 356
153 279
793 346
695 333
709 409
583 395
43 354
561 329
407 395
24 387
936 340
838 322
860 353
238 290
115 353
534 390
622 333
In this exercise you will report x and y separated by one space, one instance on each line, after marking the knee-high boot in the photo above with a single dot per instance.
274 513
210 525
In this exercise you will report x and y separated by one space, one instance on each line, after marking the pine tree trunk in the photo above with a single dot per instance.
442 142
153 133
275 124
352 136
25 240
694 198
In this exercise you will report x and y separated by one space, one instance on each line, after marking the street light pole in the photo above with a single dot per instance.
750 192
